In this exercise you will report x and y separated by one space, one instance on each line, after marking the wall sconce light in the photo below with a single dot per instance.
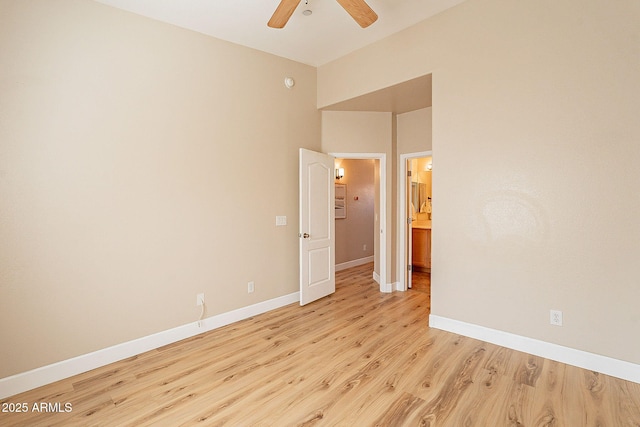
339 173
429 166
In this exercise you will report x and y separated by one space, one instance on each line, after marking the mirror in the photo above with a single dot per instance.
421 186
419 196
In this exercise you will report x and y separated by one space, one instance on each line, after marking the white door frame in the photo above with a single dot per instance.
402 284
382 220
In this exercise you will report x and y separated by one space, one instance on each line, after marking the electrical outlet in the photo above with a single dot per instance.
555 317
200 299
251 287
364 247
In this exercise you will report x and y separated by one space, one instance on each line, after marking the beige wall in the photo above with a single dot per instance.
535 145
130 152
356 231
414 131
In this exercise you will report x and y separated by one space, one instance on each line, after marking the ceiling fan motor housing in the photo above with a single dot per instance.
359 10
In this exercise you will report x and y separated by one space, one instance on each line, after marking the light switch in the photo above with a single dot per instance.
281 220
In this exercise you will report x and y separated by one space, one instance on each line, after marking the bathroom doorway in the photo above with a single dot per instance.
420 208
416 212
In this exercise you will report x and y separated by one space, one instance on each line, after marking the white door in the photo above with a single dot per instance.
317 227
408 229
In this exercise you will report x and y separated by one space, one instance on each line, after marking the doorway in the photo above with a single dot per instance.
416 213
380 215
355 202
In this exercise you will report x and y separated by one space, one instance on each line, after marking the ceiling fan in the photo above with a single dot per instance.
358 9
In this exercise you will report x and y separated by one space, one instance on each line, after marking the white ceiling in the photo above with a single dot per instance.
327 34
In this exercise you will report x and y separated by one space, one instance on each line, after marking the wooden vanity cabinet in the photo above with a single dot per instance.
421 248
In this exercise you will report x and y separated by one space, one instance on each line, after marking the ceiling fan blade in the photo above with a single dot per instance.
360 11
283 13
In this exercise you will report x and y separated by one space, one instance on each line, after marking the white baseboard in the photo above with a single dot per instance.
386 287
29 380
354 263
582 359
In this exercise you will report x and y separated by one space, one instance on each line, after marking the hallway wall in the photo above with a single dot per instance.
355 233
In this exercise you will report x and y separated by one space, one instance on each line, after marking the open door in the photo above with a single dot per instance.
409 230
317 226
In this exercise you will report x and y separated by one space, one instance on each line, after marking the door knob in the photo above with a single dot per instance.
305 235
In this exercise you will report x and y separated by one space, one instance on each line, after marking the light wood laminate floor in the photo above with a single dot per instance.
421 282
356 358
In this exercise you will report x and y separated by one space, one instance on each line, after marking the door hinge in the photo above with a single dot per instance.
409 267
409 220
409 173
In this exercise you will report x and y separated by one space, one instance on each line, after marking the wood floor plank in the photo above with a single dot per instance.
356 358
